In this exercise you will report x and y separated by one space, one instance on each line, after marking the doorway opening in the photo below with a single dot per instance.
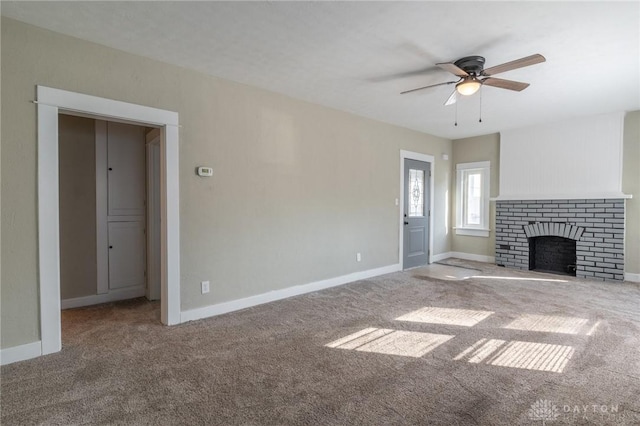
52 102
416 201
109 211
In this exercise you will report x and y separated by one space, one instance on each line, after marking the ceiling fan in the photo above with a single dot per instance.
472 75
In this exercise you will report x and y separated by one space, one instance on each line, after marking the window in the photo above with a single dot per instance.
472 209
416 193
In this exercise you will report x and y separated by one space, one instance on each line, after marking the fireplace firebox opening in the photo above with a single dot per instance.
552 254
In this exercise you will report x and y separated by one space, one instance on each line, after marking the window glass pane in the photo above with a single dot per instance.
473 198
416 193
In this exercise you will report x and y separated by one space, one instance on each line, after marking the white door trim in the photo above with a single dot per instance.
49 102
427 159
152 140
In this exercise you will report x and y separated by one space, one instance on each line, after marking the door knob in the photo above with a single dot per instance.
406 223
110 247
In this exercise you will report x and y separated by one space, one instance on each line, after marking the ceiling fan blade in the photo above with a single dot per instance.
396 76
518 63
452 99
453 69
505 84
426 87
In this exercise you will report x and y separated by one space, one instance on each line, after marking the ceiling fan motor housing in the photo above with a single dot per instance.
473 65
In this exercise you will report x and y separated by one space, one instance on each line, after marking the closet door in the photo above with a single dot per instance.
126 170
127 261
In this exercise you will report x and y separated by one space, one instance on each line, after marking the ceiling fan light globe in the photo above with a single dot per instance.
468 87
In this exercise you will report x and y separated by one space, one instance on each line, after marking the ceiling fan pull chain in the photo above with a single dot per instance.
456 120
480 120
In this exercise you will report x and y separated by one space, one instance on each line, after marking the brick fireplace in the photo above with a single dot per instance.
594 226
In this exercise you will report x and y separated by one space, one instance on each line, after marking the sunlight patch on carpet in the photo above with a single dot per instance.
516 354
593 328
362 337
444 272
519 279
448 316
548 324
391 342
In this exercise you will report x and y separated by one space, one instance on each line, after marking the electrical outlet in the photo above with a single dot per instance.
205 286
358 257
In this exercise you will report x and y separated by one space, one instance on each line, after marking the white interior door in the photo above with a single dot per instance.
126 255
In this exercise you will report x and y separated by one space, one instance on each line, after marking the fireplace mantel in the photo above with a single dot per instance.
574 196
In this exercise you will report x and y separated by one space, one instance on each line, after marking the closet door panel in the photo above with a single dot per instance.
126 255
125 170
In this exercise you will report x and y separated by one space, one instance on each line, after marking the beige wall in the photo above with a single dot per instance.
77 175
468 150
631 185
297 189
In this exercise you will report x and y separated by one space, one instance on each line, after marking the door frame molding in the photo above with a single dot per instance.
152 143
410 155
50 102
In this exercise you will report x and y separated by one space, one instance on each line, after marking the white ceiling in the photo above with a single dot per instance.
352 55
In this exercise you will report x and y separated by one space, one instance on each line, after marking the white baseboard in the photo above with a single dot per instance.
634 278
465 256
20 353
441 256
95 299
272 296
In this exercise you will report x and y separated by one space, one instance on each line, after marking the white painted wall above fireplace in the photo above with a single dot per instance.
581 158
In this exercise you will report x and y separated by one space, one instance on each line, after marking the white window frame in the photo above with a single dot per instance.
461 228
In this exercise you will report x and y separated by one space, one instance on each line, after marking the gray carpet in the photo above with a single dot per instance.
562 352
